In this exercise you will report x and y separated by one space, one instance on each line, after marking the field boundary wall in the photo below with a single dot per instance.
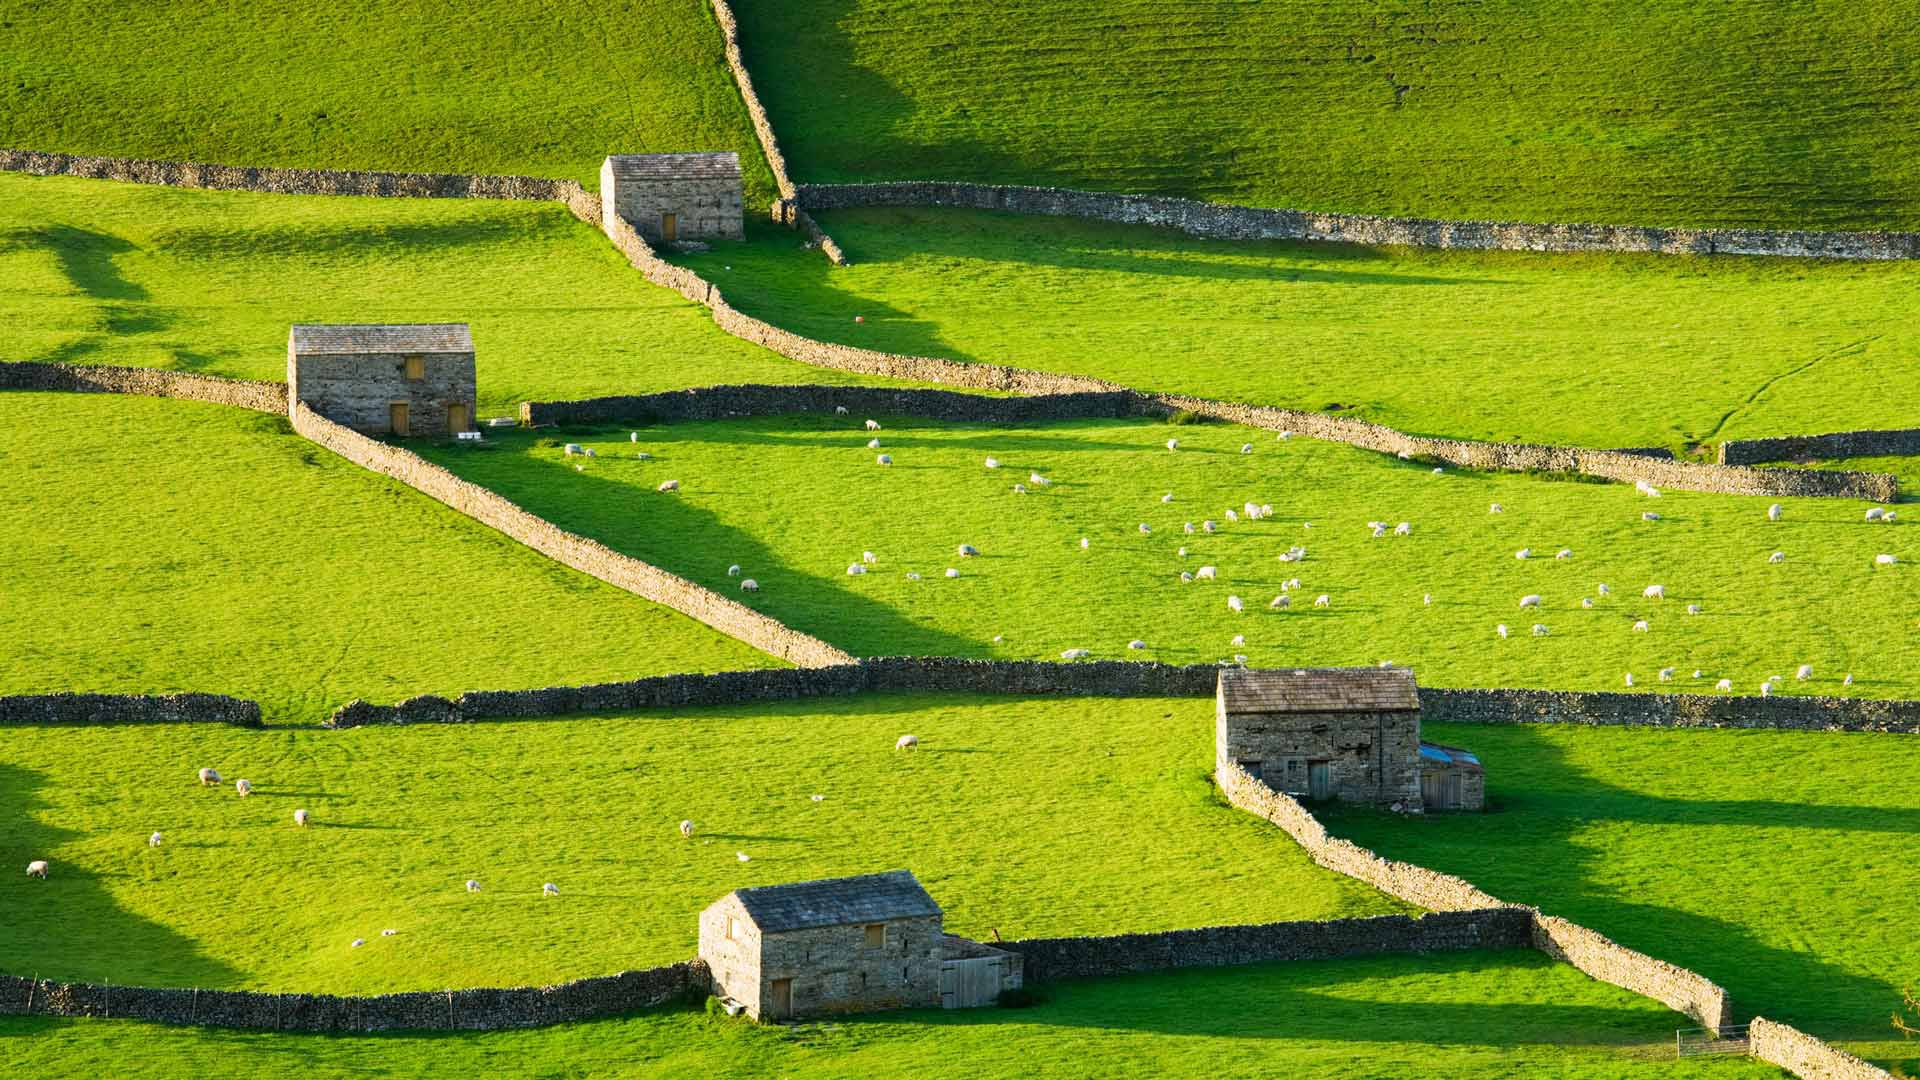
1903 442
269 397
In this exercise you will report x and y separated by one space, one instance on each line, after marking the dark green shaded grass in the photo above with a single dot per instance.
1478 1015
161 546
1588 350
1731 112
1779 865
493 87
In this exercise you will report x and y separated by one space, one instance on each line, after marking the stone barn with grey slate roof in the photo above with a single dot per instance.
851 944
669 198
414 379
1351 734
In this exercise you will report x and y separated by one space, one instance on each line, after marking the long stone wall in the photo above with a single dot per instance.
149 382
1805 1056
1903 442
428 1010
1230 222
1668 710
1225 946
73 710
587 556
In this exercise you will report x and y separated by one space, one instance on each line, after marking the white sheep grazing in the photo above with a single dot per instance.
1884 560
993 463
1037 480
1649 516
1604 591
243 787
1323 600
1496 508
1875 513
1654 592
1564 553
869 557
855 569
1530 600
37 868
1144 530
907 742
967 551
952 573
873 444
1777 557
669 485
873 425
1075 654
1234 605
154 840
1693 609
749 585
1773 512
1501 630
839 410
1173 444
1642 626
1019 489
300 818
1725 685
1804 673
208 777
1539 629
472 885
1206 573
1523 553
686 829
1281 601
1586 602
1666 674
883 459
1136 643
1246 448
734 570
549 889
1403 529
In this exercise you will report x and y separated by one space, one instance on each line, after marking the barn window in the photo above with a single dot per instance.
876 935
416 368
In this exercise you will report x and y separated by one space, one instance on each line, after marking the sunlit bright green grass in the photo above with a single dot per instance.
1674 112
490 87
1588 350
1479 1015
1780 865
1010 813
109 273
159 546
795 501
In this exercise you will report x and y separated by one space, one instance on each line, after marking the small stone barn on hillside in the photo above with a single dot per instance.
1324 733
852 944
668 198
413 379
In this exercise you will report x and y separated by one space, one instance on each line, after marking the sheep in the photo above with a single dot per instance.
154 840
208 777
952 573
1539 629
1501 630
1586 602
883 459
1136 643
1234 605
1724 686
1206 573
1666 674
1875 513
873 425
549 889
1563 553
873 444
734 570
1693 609
1641 627
1496 508
1403 529
1654 592
1145 530
243 788
967 551
1530 600
1019 489
37 868
993 463
1037 480
1649 516
1774 512
686 829
669 485
472 885
749 585
1884 560
1281 601
1173 444
1246 448
1075 654
1323 600
1777 557
1804 673
907 742
855 570
1523 553
839 410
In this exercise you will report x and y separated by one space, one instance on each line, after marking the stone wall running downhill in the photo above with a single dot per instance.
730 617
72 710
1225 946
429 1010
1805 1056
150 382
1904 442
1229 222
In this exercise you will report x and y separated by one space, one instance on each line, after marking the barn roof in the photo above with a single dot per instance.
382 338
837 901
716 165
1373 689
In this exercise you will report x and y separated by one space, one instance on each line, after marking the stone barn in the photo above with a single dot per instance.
413 379
784 952
669 198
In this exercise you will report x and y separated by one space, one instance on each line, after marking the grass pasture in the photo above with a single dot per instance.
1484 1015
1584 350
1512 109
1007 814
492 87
160 546
110 273
796 500
1778 864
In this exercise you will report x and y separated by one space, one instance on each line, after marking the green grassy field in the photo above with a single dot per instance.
1008 814
1589 350
796 500
1780 865
108 273
1730 112
1483 1015
491 87
168 545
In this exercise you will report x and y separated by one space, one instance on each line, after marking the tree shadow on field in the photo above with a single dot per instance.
69 926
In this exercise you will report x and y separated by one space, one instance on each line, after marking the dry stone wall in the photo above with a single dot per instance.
1668 710
148 382
587 556
1903 442
1805 1056
1225 946
74 710
1229 222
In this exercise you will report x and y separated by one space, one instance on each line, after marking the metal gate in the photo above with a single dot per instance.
966 984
